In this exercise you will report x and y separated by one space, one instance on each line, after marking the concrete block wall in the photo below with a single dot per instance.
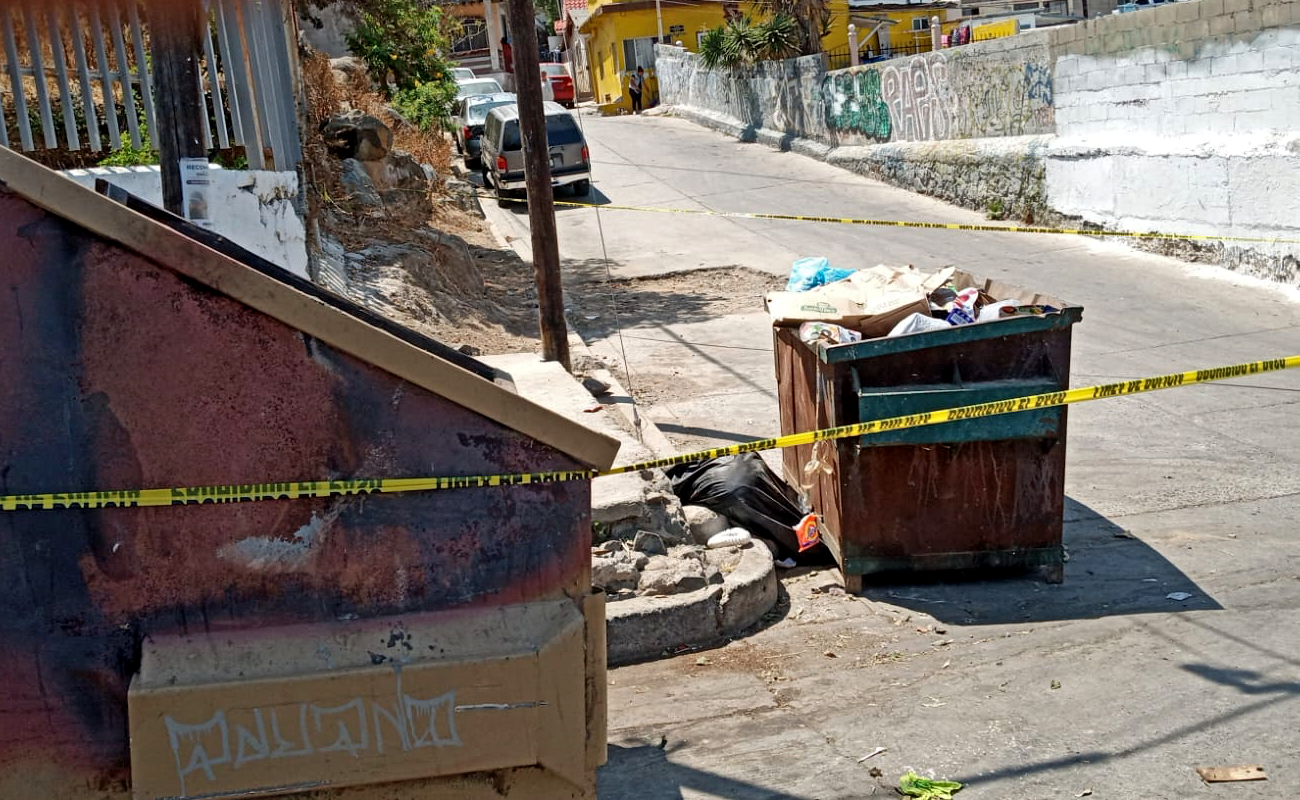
254 209
1185 119
1179 119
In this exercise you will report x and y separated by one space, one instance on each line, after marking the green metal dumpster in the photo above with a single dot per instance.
968 494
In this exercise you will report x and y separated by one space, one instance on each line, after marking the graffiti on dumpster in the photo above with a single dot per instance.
234 737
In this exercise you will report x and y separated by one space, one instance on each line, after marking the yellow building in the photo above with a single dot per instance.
612 38
617 37
886 28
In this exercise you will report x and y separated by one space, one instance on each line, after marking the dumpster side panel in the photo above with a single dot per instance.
117 373
963 504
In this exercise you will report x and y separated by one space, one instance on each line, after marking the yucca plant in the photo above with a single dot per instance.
779 37
741 42
711 48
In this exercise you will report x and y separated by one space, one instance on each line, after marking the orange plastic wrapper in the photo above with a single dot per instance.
808 533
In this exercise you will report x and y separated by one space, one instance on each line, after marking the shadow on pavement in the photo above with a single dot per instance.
563 196
1248 682
645 772
1109 573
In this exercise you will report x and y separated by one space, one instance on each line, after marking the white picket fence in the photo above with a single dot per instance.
90 57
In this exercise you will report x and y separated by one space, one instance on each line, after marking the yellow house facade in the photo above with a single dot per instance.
620 36
617 37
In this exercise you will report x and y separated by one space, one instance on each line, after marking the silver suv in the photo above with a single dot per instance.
503 154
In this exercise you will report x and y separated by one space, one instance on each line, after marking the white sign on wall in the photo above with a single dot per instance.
196 191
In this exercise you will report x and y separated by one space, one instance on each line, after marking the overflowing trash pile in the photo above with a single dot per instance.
836 306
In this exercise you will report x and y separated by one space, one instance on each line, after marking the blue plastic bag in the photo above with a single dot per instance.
809 273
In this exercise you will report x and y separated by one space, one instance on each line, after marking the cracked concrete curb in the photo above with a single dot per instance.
623 404
642 628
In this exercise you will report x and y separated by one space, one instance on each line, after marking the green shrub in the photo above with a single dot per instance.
406 38
427 105
129 156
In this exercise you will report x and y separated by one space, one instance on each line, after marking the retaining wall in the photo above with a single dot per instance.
1181 119
254 209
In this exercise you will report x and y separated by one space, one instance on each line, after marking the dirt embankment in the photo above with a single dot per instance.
416 256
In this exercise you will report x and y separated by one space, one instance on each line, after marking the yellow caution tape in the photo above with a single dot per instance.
237 493
896 223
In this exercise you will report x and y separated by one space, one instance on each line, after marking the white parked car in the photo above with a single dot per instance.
462 73
466 88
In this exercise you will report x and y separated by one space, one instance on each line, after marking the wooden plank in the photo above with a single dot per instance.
83 79
1239 772
214 80
61 73
124 75
105 76
50 133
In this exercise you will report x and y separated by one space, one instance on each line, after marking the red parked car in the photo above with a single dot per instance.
561 83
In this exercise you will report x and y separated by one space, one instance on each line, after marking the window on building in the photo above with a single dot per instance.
699 39
920 23
639 53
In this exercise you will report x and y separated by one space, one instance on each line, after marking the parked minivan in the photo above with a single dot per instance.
503 153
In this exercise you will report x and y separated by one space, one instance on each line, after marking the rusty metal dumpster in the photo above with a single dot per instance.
244 641
977 493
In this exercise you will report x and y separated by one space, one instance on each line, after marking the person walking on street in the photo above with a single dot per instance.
508 63
635 85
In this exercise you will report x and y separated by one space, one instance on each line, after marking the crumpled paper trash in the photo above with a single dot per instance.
914 785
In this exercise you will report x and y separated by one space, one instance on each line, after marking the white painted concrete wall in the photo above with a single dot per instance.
1202 140
254 209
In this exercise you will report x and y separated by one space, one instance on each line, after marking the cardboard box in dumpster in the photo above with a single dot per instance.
870 301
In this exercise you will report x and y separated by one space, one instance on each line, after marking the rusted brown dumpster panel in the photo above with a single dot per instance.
969 494
119 372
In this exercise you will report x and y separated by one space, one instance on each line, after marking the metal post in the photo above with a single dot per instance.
853 45
659 17
537 172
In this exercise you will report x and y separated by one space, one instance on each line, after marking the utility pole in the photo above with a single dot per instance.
537 172
175 31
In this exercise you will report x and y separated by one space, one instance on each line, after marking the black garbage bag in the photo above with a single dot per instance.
745 491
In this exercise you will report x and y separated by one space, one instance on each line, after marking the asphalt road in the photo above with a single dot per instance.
1031 691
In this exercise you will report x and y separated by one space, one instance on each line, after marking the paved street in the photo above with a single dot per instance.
1020 689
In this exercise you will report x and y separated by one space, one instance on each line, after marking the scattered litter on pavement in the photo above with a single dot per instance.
873 754
593 408
875 772
946 664
786 563
1237 772
703 661
914 785
663 742
1179 596
1124 535
830 654
1084 793
934 703
1151 580
1056 684
731 537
